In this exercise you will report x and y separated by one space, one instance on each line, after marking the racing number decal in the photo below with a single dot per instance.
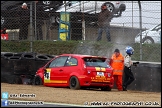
47 75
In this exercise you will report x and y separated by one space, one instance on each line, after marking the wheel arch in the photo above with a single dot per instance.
147 37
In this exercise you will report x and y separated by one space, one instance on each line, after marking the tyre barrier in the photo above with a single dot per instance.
20 68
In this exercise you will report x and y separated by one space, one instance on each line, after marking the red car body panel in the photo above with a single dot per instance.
87 76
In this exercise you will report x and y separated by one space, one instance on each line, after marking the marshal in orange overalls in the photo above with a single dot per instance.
117 63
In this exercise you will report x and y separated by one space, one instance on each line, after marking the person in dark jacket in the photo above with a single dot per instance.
104 19
24 20
38 19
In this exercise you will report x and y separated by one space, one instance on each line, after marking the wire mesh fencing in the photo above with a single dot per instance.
44 29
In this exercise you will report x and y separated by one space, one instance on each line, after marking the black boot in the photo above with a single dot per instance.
124 88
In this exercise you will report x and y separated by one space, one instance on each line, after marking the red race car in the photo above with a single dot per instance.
76 71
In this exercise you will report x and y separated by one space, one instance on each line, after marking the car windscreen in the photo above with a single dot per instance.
95 62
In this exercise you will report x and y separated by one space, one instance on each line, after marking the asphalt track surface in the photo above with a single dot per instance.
45 104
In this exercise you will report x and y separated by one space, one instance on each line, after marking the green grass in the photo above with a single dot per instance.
150 52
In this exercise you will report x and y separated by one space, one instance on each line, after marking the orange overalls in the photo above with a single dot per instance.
117 63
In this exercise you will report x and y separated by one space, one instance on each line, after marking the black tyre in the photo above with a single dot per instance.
50 56
148 40
14 58
42 57
105 89
7 55
37 80
74 83
28 56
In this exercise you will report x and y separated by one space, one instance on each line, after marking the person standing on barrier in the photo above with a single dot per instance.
104 19
128 75
38 20
24 20
117 63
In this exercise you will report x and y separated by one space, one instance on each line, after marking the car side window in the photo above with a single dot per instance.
71 62
157 28
58 62
70 3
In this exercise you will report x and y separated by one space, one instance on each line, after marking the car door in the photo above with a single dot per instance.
71 66
55 71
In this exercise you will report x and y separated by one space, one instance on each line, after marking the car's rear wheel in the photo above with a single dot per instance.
110 6
148 40
105 89
74 83
37 81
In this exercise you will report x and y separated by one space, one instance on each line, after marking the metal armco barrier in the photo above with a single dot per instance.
20 67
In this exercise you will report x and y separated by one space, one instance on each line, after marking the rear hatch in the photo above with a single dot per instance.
98 69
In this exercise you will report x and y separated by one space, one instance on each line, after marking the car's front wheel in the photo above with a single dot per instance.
74 83
37 81
148 40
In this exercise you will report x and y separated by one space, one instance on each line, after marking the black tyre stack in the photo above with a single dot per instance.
16 66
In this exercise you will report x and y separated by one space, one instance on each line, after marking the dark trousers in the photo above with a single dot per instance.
107 30
128 76
23 33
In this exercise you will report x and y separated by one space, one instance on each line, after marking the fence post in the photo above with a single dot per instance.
31 31
140 20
